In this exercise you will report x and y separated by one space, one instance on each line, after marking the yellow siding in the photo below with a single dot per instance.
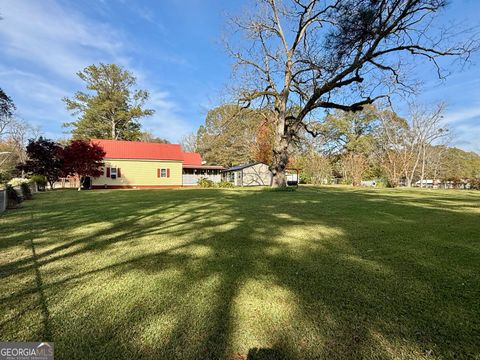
142 172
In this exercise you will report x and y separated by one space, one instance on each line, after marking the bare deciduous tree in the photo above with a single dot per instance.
189 142
302 57
435 162
353 167
12 143
391 149
425 129
407 146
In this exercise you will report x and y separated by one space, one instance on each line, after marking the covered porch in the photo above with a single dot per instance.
191 174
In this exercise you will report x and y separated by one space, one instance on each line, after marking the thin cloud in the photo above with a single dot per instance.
34 87
166 122
38 100
61 42
467 135
462 115
465 124
53 43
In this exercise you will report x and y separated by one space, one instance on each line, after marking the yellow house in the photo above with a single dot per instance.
132 164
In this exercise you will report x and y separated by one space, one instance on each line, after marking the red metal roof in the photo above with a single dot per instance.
120 149
191 158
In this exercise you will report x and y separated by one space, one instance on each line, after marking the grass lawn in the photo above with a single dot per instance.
320 273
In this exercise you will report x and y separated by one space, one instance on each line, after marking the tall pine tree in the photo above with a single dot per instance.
111 108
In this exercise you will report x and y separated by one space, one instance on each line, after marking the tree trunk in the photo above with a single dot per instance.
409 179
410 174
114 132
279 165
280 153
422 175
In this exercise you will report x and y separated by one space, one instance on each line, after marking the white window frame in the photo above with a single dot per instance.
163 173
113 172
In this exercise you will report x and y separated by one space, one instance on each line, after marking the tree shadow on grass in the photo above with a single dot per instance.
311 274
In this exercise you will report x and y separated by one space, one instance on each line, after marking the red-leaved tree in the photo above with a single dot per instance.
82 158
263 146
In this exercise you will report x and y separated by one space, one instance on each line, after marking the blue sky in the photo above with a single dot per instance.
174 48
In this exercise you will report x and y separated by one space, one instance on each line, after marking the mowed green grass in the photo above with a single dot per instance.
320 273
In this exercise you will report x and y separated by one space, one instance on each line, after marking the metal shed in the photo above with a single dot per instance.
254 174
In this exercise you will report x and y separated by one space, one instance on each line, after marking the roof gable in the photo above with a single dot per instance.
191 158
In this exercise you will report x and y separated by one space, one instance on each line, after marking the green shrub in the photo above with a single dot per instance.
206 183
40 180
225 184
13 198
26 191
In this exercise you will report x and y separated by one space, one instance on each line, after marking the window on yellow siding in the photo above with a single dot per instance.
163 173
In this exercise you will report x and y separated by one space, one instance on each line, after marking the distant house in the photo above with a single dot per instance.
254 174
133 164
